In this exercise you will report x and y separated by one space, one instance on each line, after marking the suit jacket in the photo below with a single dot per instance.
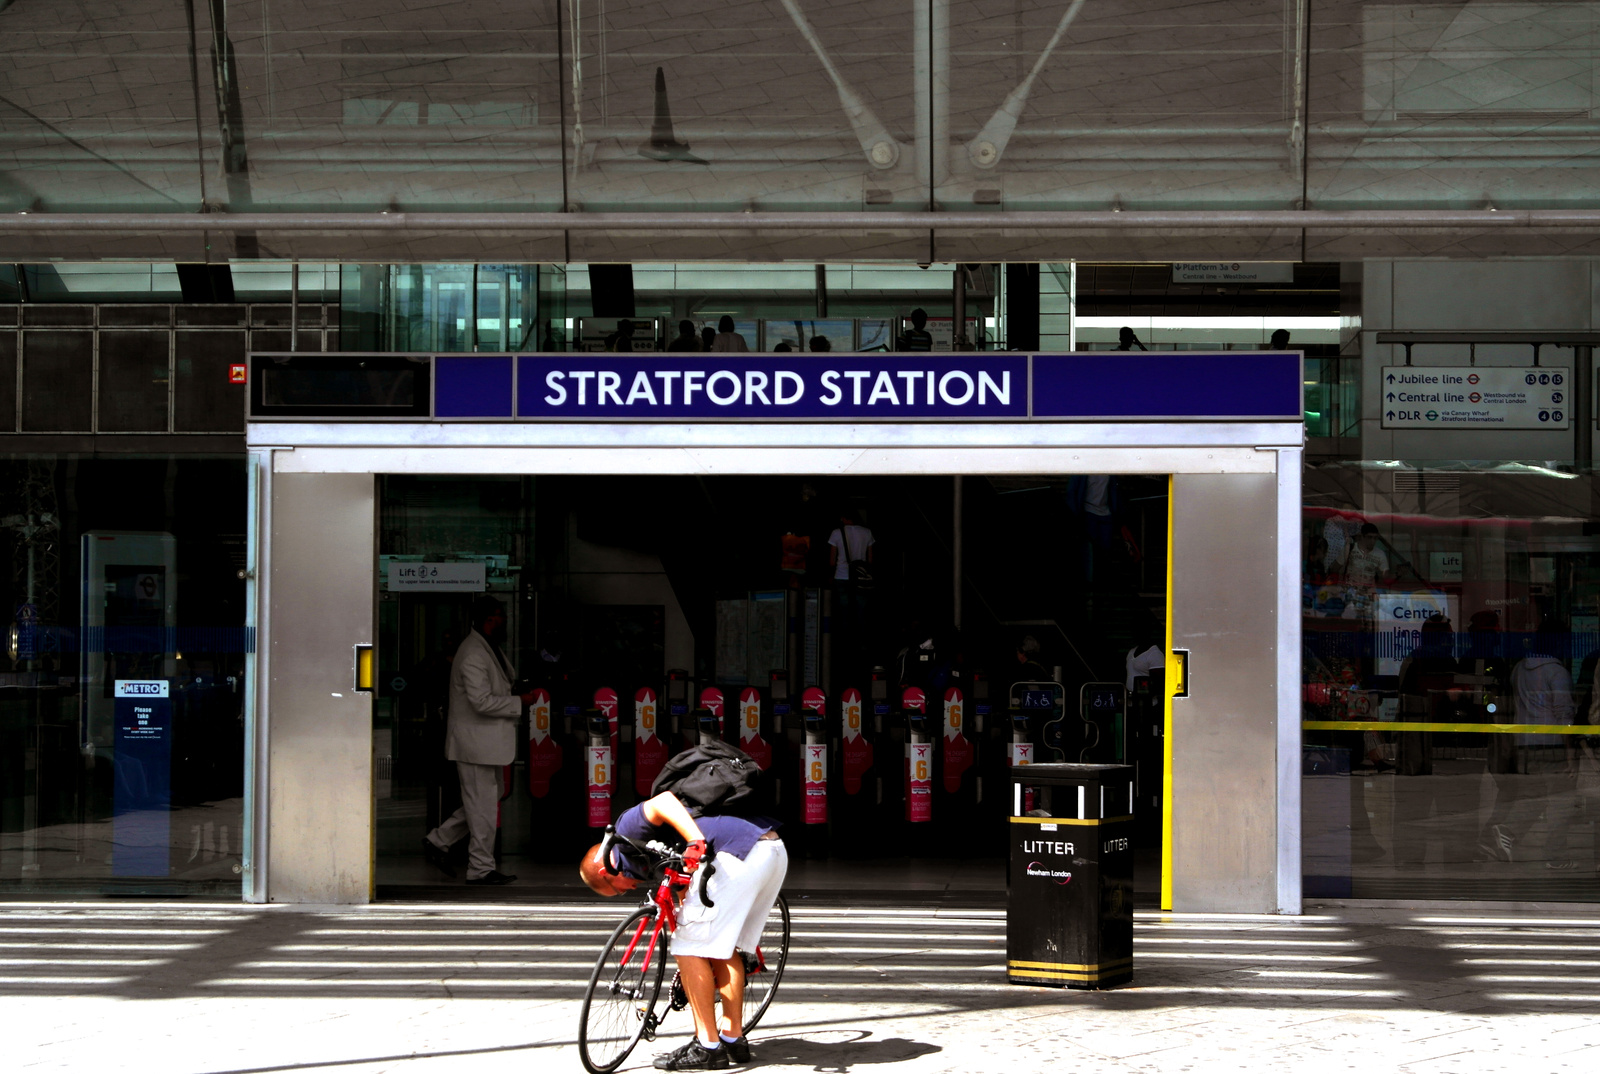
482 727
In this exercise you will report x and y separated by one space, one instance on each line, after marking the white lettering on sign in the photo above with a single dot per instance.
1046 846
1114 844
1476 397
1399 623
784 387
438 577
140 688
1233 272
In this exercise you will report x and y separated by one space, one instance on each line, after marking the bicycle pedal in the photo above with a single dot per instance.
650 1024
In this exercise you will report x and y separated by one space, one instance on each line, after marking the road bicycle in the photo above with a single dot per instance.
623 1003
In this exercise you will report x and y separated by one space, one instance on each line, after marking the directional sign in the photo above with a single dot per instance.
1476 397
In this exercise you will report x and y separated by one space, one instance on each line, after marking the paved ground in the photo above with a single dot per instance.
227 989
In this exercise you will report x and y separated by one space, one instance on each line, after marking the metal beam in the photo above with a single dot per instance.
1543 339
1022 220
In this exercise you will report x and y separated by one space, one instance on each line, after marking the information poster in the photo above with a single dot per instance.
814 762
957 746
141 831
919 782
857 750
544 752
599 765
750 739
649 752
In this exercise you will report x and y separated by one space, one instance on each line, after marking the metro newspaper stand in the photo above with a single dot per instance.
1069 916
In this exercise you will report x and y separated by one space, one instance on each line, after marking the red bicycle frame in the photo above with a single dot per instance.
666 917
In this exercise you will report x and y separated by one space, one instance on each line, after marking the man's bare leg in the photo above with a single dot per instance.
699 983
729 976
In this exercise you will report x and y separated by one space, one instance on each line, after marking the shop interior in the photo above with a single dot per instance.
999 614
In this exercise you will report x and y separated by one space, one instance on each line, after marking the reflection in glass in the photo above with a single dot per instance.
122 691
1445 608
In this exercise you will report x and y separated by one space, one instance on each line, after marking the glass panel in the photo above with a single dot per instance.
765 105
140 794
133 381
99 109
206 400
8 381
393 110
1445 606
809 335
57 381
1453 105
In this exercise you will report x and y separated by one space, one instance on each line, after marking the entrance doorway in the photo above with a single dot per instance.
980 618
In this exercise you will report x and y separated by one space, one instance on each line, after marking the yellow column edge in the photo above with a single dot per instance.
1166 717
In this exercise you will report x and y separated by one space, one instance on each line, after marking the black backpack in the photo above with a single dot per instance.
713 778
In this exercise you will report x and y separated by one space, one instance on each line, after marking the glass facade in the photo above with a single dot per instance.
1446 604
780 104
122 698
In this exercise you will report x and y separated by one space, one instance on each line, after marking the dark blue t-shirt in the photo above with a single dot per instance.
727 835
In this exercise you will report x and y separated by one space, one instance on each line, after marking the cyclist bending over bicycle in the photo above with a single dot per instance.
750 863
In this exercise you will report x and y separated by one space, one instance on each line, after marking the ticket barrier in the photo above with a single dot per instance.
682 728
918 770
783 736
1102 710
958 790
1045 703
555 754
1146 729
858 796
815 774
600 776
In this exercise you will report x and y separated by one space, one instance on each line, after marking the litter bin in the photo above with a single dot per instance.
1069 916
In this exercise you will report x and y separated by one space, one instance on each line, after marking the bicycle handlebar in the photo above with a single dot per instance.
664 859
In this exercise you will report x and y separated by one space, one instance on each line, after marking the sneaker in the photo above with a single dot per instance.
438 857
738 1050
1561 866
694 1056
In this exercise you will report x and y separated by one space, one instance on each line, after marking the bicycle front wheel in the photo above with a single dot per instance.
771 955
620 1005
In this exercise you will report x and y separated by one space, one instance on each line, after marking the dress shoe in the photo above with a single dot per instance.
493 877
438 858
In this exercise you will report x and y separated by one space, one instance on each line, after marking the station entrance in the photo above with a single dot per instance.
885 646
661 534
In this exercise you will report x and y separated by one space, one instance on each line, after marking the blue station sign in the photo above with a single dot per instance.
878 387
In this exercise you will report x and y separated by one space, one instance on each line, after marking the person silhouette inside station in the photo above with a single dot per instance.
622 339
686 339
820 343
917 337
727 339
1280 340
708 336
1126 340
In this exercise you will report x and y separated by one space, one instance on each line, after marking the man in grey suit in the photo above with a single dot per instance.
481 738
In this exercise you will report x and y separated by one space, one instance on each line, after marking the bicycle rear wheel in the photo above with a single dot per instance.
620 1004
772 954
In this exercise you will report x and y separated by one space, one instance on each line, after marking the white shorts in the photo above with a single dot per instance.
743 891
